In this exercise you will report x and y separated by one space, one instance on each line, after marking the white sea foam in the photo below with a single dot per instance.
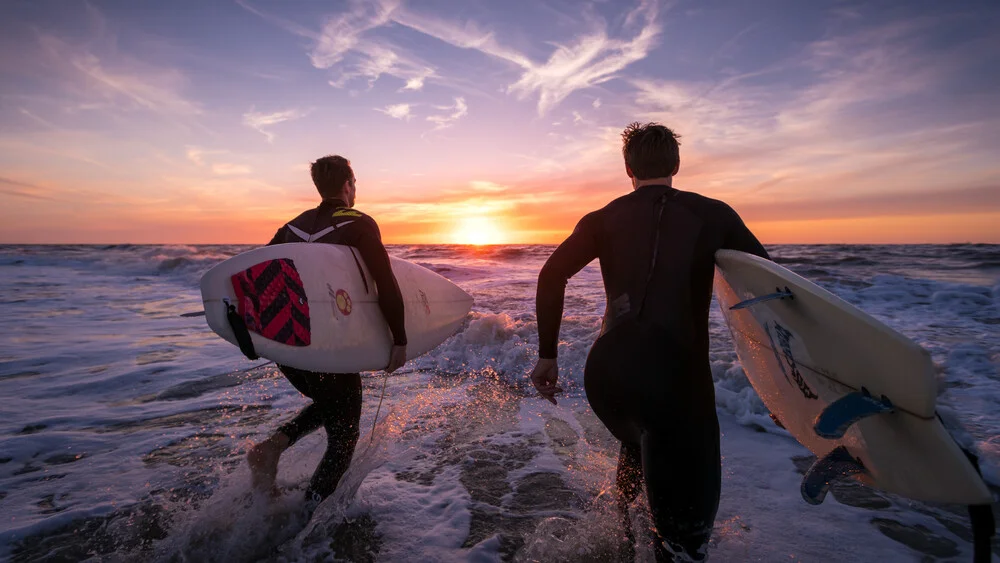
115 403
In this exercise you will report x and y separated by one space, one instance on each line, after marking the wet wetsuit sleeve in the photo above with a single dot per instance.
390 299
740 238
572 255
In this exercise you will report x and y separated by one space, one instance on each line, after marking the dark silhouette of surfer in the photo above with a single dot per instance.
648 376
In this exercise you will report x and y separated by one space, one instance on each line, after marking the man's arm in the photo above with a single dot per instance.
739 237
572 255
390 299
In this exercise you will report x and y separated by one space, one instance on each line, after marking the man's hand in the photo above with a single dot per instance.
544 378
397 357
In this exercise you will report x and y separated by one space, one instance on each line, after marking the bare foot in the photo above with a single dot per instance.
263 460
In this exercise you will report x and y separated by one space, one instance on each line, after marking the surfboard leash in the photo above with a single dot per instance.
385 378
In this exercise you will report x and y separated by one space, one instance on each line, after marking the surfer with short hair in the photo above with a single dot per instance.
336 396
648 376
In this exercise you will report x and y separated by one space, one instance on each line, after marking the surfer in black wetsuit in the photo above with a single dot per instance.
648 376
336 396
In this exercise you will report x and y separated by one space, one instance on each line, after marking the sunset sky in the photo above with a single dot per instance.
495 121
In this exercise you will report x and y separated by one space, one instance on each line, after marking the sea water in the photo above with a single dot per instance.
124 425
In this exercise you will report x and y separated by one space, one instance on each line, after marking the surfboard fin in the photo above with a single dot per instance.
835 465
778 294
839 415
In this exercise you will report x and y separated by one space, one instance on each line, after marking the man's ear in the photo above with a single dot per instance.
676 168
628 170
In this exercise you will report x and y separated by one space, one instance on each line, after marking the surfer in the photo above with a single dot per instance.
648 376
336 397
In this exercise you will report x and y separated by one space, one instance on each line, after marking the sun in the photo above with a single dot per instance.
478 231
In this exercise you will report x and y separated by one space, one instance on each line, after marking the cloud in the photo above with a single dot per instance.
851 114
343 41
22 189
398 111
485 186
977 199
45 123
587 60
342 33
592 59
230 169
458 111
415 83
129 83
371 60
597 103
198 156
258 121
465 36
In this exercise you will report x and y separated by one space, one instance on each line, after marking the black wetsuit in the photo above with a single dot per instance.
337 396
648 376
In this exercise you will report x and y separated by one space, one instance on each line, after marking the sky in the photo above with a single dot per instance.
489 121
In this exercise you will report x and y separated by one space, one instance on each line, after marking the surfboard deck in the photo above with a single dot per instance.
803 352
315 306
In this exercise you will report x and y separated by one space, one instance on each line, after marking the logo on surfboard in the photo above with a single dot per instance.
341 299
785 342
423 299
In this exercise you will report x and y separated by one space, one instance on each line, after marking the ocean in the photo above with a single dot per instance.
124 425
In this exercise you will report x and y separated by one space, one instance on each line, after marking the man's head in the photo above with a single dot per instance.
650 151
334 178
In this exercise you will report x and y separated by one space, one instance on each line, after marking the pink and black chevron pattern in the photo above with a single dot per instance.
273 302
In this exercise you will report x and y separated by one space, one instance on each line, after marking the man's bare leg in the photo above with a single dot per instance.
263 460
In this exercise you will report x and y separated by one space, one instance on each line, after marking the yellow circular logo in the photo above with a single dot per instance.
343 302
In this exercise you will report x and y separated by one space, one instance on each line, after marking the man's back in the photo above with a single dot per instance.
333 222
691 229
675 232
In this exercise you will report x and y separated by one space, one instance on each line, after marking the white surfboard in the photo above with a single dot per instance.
346 330
803 353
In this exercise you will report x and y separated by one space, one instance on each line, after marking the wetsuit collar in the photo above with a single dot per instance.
333 202
669 189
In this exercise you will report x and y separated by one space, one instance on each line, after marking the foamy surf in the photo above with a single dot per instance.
128 435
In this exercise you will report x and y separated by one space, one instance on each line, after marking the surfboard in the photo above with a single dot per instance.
315 306
854 391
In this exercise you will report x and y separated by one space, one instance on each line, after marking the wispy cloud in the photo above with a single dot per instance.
343 42
456 112
977 199
399 111
210 159
342 33
259 120
590 60
857 119
465 35
486 186
416 82
22 189
230 169
43 122
116 77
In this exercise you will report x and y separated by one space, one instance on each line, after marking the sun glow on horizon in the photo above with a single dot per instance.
478 231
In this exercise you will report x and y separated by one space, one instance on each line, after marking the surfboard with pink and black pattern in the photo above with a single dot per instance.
313 307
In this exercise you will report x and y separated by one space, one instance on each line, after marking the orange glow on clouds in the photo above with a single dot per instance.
867 134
